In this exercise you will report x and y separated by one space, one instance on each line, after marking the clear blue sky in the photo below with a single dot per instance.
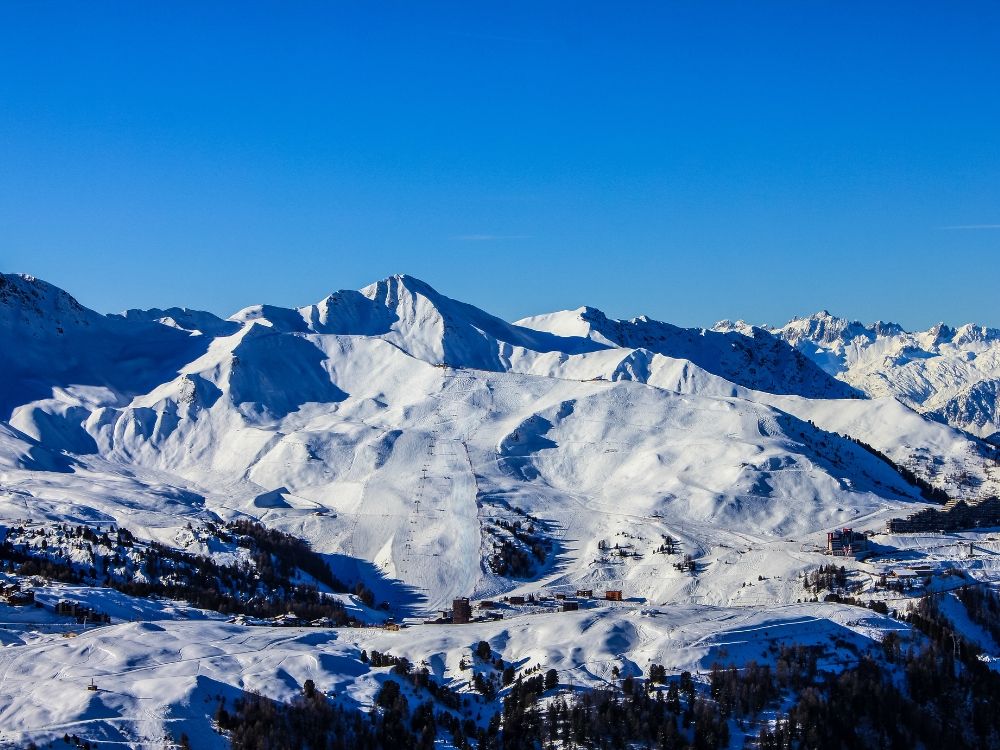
690 160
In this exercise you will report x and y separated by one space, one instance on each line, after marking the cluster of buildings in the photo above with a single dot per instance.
956 515
12 594
902 579
461 611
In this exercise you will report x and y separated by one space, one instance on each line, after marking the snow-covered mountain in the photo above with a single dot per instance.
752 357
49 341
428 450
949 373
331 419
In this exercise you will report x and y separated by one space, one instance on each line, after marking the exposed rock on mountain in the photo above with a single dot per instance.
948 373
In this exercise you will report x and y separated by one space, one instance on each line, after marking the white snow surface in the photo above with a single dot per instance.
162 678
392 427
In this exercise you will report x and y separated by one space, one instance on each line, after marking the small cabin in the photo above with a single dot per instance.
585 593
570 606
516 599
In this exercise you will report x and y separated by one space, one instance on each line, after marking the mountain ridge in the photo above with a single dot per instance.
946 372
427 451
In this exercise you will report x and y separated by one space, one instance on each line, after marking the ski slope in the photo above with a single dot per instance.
399 432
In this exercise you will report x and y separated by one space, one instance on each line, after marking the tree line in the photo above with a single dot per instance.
265 586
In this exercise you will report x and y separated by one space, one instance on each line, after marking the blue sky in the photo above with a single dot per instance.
689 161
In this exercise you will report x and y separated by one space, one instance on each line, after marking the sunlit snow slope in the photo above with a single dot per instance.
399 431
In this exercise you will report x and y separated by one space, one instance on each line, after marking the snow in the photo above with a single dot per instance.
750 357
394 428
953 373
155 678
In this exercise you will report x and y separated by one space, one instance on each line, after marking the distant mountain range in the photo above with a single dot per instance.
952 374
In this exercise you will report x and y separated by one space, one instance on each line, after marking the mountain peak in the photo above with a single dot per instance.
825 328
823 315
735 326
31 293
592 314
32 307
742 354
399 284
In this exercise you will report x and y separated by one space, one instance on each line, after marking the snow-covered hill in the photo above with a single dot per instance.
404 431
950 373
429 450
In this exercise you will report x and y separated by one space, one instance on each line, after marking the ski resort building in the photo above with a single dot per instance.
461 611
845 542
954 516
81 612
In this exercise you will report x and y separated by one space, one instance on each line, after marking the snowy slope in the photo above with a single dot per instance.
398 430
52 343
163 679
404 435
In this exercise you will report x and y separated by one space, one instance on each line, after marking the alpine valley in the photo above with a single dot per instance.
215 530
